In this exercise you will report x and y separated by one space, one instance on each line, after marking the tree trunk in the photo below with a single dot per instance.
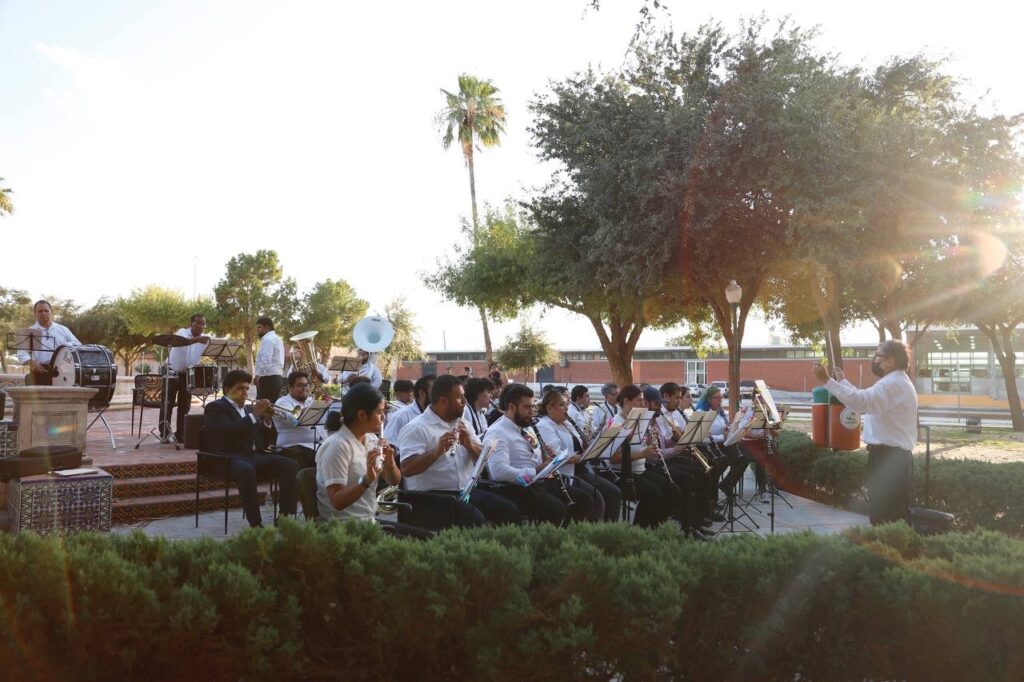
3 362
1007 358
487 335
618 347
468 151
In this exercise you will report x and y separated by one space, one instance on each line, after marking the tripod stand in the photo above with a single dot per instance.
731 517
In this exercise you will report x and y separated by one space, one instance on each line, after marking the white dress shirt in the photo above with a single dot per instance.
635 444
288 433
560 437
341 460
889 407
183 357
477 420
59 336
718 427
603 416
270 358
448 472
397 421
367 369
513 455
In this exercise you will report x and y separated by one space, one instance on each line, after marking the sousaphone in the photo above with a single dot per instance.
373 334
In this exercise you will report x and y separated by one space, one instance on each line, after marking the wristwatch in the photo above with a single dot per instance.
363 482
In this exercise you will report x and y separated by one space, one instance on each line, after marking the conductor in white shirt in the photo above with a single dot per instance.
179 360
269 361
40 361
889 408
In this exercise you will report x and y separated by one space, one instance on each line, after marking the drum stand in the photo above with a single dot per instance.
155 431
99 417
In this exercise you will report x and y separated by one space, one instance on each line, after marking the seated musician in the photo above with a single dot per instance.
732 457
367 369
439 451
298 442
398 420
352 459
179 360
40 361
657 497
605 412
518 456
478 399
579 405
677 401
556 431
403 389
246 435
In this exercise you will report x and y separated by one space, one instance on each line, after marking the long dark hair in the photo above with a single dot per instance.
629 392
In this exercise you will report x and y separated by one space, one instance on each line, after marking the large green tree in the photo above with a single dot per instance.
15 312
525 351
254 286
406 343
332 309
473 115
104 324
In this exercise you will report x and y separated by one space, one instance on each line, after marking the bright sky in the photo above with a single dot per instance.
148 142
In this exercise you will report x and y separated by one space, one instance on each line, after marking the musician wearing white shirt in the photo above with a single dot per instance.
179 360
478 399
558 432
367 369
517 458
605 413
403 390
657 497
579 407
399 420
889 407
298 363
40 361
297 442
677 402
439 451
269 361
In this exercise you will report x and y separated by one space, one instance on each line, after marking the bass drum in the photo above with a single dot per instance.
88 366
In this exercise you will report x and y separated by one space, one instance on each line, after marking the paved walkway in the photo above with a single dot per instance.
805 515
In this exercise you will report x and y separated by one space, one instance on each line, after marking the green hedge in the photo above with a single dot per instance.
589 602
980 494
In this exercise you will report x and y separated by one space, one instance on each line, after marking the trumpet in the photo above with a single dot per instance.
291 416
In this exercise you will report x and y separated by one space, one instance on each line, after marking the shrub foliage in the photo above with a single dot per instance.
589 602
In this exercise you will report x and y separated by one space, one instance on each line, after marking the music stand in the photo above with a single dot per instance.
629 426
313 416
31 340
764 411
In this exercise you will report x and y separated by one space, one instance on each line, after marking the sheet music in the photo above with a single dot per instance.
698 426
601 444
740 424
314 414
478 470
552 466
769 401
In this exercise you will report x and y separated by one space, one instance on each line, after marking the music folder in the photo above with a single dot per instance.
552 466
743 421
478 470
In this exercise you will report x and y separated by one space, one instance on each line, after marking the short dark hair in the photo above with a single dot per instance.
333 421
295 376
236 376
898 351
629 392
609 387
443 387
578 392
513 393
402 385
360 397
42 301
684 390
195 317
422 385
266 322
670 388
477 385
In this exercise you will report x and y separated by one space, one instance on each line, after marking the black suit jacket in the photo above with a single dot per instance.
228 432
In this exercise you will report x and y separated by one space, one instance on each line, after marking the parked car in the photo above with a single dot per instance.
747 389
722 386
696 390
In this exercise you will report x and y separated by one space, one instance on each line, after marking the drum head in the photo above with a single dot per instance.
64 360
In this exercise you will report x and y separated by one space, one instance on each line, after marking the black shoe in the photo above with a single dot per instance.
706 522
718 516
697 535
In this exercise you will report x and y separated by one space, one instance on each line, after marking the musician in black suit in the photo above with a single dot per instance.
246 435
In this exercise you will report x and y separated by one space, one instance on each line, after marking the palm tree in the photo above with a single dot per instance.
6 206
473 115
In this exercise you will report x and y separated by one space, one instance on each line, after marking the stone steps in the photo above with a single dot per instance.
133 509
150 486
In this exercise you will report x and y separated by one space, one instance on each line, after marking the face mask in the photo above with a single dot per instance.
876 369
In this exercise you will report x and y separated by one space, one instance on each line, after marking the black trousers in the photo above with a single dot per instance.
270 387
304 456
608 501
657 498
177 396
485 506
888 479
536 502
243 472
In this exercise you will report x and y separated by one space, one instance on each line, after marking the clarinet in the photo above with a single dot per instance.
558 476
657 448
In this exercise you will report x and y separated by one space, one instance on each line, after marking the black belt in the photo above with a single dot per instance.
885 448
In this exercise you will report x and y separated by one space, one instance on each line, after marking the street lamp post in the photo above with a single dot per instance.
734 294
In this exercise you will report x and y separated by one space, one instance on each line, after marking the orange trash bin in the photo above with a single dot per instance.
843 430
819 424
